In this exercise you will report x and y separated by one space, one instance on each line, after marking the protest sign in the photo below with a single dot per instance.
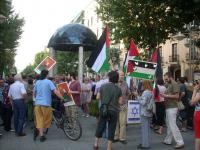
46 64
65 92
133 114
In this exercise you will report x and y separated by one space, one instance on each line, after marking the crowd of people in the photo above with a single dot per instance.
31 99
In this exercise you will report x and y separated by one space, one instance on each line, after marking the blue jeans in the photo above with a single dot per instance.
19 115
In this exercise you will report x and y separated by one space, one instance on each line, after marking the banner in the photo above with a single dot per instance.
133 115
46 64
65 92
142 69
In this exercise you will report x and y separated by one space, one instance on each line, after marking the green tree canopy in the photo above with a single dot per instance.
10 33
148 22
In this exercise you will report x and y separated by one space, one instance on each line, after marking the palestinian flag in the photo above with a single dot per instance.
142 69
155 57
98 60
131 54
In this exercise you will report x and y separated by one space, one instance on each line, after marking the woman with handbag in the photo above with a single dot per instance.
146 114
110 95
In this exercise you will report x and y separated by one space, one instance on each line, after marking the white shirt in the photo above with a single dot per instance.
162 90
17 90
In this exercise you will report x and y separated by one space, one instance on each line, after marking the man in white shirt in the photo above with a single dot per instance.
17 93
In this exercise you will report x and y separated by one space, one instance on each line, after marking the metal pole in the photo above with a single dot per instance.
190 53
52 54
80 66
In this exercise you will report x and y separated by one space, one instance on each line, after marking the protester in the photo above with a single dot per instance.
171 97
43 111
75 89
109 93
3 85
184 98
144 100
17 94
7 107
120 133
160 106
86 94
56 103
196 101
30 99
71 110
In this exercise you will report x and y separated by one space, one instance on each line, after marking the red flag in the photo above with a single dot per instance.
133 52
154 56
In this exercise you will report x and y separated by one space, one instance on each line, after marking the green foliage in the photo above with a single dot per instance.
28 70
68 62
10 33
148 22
39 57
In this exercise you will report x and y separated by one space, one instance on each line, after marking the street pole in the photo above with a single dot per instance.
190 53
80 66
52 54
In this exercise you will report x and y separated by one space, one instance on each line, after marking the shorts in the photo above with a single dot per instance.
43 116
197 124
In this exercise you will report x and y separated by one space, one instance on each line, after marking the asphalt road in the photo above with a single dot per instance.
56 139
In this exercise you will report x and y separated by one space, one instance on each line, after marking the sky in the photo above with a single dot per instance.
42 19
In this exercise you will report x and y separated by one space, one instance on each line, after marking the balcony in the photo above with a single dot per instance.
174 59
194 57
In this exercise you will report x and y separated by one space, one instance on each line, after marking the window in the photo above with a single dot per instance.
174 49
174 52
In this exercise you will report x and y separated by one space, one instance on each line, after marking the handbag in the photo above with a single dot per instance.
104 112
151 106
180 105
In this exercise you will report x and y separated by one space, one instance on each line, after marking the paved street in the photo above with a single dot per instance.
58 141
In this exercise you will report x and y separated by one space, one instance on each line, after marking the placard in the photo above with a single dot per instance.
46 64
64 91
133 114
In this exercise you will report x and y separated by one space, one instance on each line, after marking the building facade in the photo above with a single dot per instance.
179 55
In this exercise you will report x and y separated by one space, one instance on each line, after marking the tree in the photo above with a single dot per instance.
68 62
39 57
10 33
148 22
29 70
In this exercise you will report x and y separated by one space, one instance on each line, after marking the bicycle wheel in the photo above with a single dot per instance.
72 129
57 117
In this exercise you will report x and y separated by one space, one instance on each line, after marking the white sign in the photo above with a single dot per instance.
133 115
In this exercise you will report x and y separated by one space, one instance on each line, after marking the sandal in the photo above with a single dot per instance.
95 147
179 146
157 132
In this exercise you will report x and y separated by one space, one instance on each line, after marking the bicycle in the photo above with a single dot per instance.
70 126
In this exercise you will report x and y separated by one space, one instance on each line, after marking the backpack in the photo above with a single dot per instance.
151 106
